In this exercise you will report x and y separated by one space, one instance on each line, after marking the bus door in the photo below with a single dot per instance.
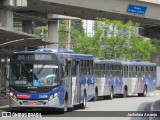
68 71
78 92
75 82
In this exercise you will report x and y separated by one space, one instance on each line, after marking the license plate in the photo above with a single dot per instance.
32 102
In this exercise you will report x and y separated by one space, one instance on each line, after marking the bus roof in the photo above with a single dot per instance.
107 61
47 50
86 56
124 62
59 51
138 63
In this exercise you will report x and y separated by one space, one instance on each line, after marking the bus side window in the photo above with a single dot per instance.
143 71
119 70
147 71
103 70
136 72
107 70
81 67
152 71
111 70
126 71
88 67
139 71
130 71
73 68
84 66
91 67
155 70
66 68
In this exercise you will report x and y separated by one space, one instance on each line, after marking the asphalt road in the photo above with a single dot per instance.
116 109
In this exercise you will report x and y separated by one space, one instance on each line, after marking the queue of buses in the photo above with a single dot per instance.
60 78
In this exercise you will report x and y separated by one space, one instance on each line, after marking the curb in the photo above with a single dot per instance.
4 106
152 108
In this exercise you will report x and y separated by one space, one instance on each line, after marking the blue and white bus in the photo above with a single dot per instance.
123 78
108 78
138 77
54 78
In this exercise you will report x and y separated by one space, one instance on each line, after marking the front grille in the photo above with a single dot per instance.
33 90
38 103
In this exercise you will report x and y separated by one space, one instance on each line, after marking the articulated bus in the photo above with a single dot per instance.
53 78
108 78
138 77
123 78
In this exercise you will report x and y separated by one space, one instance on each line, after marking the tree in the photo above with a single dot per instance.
77 25
116 40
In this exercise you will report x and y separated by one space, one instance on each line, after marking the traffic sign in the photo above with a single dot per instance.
135 9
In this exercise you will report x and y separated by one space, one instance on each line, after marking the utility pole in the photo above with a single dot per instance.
68 36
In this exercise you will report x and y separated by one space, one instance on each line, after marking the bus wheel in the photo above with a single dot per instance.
83 105
125 92
111 94
96 96
65 106
144 94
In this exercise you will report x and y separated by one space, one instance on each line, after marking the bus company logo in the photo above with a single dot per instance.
10 114
6 114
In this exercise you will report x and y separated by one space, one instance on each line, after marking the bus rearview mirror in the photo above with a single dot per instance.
7 68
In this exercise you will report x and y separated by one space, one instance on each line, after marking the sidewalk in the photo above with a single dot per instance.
3 102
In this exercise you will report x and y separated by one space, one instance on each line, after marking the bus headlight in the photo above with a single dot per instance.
12 96
53 96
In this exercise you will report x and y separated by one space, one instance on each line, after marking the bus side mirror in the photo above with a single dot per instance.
62 72
7 69
61 82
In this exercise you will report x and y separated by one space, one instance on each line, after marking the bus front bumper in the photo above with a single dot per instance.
34 103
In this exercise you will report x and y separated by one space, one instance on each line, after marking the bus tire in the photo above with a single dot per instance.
144 94
83 105
65 108
96 95
125 92
110 97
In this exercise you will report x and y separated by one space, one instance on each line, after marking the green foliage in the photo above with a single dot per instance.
62 33
77 25
41 31
115 40
77 31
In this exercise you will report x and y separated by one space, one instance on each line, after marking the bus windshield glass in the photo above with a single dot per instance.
33 74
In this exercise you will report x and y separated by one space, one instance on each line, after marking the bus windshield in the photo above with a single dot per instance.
23 74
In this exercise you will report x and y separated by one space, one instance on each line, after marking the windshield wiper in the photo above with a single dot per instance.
27 69
41 69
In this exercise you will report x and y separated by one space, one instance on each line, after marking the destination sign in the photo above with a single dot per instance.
34 57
